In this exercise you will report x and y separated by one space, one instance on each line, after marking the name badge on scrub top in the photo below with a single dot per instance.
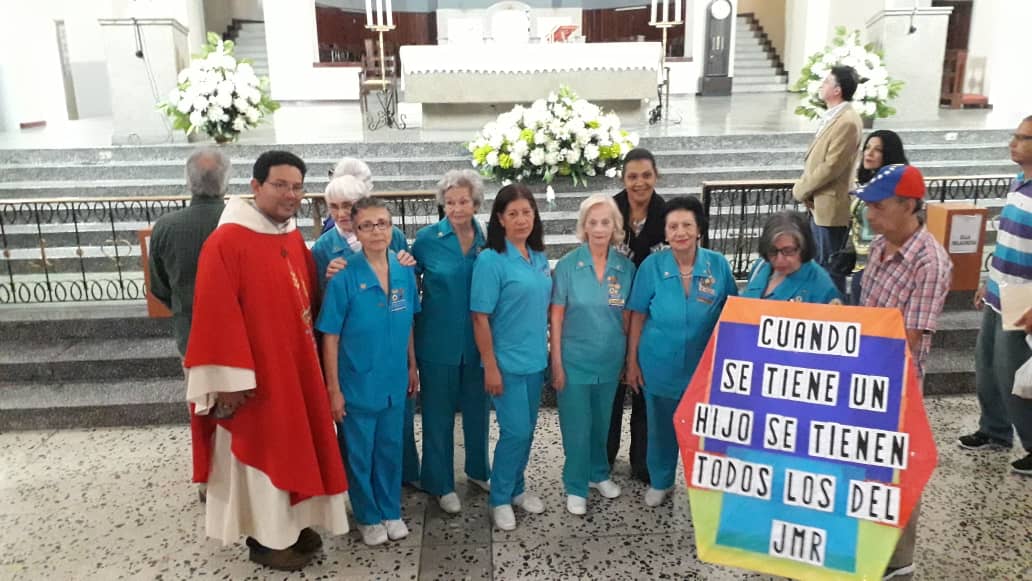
706 293
398 300
615 300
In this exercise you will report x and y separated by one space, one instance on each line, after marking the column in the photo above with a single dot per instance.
913 55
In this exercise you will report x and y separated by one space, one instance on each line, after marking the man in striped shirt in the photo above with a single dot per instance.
907 269
999 353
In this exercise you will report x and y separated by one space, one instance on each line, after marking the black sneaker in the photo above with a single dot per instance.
1023 466
896 572
980 441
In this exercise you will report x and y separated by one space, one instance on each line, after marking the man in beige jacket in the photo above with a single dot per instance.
829 167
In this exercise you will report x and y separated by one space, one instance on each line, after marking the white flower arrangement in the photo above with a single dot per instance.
218 94
562 135
875 90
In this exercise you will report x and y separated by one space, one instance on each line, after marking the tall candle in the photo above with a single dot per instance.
390 14
379 12
677 10
664 11
369 12
652 18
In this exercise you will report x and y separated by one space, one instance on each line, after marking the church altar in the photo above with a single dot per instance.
468 84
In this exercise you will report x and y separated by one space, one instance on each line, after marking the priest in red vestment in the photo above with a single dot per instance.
273 469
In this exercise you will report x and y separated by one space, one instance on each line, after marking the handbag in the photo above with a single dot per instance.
1023 376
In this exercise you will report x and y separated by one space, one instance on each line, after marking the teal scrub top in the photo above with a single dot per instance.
444 329
809 284
593 338
678 326
374 325
514 292
333 245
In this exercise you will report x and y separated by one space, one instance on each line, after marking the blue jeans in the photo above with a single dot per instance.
827 241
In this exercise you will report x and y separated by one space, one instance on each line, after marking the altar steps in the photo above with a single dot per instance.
93 365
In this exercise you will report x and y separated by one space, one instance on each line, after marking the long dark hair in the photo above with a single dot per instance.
892 154
495 231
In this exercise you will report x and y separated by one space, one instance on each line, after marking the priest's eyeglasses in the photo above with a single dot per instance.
787 252
382 226
284 187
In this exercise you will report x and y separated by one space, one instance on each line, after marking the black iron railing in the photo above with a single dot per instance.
74 250
737 210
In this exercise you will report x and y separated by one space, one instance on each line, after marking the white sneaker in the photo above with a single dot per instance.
655 497
577 505
373 535
529 502
606 488
483 484
450 503
503 517
396 529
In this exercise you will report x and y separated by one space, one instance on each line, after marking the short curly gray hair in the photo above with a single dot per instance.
207 172
462 178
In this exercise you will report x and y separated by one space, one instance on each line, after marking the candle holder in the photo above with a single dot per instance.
388 95
663 89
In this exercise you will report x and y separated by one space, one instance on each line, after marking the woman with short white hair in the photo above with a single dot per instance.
349 166
341 242
588 345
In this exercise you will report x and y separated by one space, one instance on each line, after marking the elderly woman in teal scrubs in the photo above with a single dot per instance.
368 379
341 241
786 270
509 300
676 299
332 251
588 345
449 363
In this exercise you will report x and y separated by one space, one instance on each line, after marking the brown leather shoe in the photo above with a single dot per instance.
308 541
282 560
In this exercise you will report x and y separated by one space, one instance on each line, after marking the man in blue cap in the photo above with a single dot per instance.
909 270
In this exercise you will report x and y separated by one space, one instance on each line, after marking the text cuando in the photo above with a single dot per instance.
805 336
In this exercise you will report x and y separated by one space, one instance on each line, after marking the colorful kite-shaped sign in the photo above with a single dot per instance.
804 439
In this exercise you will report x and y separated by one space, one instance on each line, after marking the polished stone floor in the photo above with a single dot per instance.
116 504
331 122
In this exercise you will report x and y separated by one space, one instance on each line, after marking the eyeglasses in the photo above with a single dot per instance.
370 226
284 187
1021 137
787 252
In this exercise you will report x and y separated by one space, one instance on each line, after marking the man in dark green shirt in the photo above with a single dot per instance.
177 238
176 242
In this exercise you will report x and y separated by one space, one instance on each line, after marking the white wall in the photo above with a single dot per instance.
997 60
290 37
806 32
32 84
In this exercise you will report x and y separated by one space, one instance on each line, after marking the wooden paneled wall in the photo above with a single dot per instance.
612 25
346 31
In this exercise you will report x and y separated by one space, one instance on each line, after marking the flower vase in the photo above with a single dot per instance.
868 122
222 139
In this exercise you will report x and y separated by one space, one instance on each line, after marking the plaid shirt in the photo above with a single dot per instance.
915 280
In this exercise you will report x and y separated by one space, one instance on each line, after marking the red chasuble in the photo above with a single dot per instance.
253 309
